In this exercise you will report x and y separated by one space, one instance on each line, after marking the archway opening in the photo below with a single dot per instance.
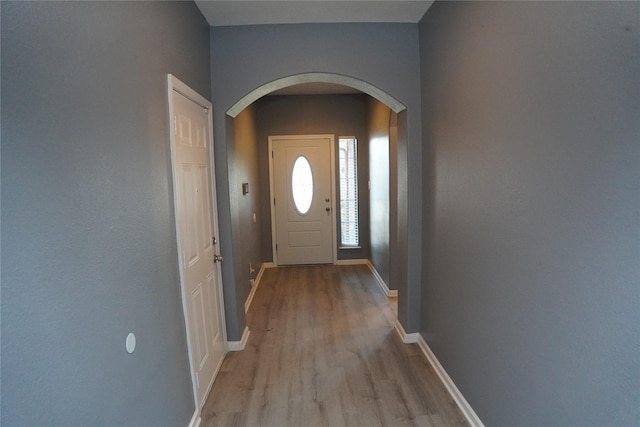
330 78
247 157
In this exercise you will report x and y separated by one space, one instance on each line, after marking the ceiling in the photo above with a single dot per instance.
244 12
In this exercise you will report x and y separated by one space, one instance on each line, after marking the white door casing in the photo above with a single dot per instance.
197 230
302 236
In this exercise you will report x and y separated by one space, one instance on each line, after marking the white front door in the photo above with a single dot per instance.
196 224
302 193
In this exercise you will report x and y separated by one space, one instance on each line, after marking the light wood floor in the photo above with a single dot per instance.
323 352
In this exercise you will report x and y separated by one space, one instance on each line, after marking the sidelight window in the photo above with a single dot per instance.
348 163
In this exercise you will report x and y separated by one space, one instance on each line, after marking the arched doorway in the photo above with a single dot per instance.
236 267
337 79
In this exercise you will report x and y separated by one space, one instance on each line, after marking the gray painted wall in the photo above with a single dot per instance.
246 169
531 118
339 115
384 55
394 276
378 116
88 235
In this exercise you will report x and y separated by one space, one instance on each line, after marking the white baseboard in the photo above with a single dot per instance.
351 261
256 283
195 420
463 405
390 293
239 345
406 338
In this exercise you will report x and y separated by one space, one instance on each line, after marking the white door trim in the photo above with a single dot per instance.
174 84
334 232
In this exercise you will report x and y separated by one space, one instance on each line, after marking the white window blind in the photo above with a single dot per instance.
348 159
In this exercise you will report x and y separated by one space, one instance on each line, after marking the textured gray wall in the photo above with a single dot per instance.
532 293
246 168
394 276
384 55
378 116
339 115
88 236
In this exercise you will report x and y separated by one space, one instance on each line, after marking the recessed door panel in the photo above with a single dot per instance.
305 239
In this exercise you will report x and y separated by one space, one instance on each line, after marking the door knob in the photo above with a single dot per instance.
328 209
217 258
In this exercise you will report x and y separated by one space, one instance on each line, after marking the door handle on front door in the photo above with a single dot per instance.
217 258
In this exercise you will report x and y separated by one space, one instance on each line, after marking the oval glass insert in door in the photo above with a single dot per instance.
302 185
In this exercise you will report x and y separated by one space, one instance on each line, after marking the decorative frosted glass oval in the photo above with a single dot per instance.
302 185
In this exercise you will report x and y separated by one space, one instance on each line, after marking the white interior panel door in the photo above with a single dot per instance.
196 228
302 196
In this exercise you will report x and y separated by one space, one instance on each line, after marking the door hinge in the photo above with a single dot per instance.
274 201
175 125
272 154
197 381
276 246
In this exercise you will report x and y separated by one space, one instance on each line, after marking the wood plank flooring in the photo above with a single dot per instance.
323 352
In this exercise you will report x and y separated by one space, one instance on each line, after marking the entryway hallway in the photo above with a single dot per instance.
323 352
